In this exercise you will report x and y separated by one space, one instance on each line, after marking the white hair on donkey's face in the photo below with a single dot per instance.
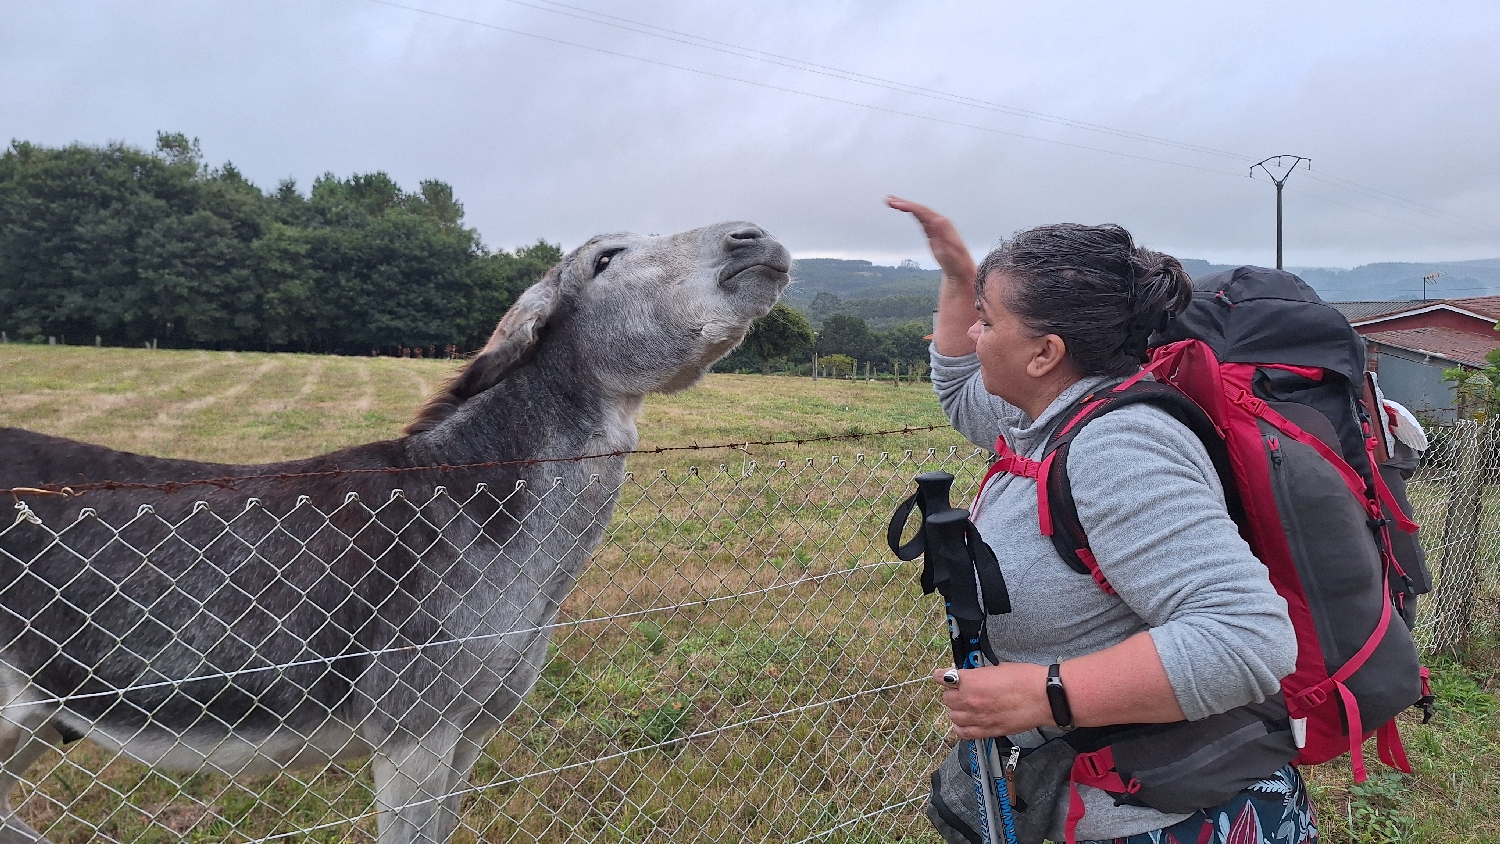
642 314
663 309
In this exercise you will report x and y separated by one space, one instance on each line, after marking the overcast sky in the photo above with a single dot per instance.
620 130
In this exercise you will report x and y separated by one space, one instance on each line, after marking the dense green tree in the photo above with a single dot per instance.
823 304
838 366
783 332
908 343
137 246
849 335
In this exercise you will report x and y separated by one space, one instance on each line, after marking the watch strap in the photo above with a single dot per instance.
1057 697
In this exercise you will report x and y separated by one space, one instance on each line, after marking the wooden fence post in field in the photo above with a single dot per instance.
815 366
1452 609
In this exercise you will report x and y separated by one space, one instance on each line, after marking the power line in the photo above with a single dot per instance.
801 93
1406 204
901 87
729 48
853 76
1486 244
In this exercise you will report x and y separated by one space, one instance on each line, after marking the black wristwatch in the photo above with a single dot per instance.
1057 697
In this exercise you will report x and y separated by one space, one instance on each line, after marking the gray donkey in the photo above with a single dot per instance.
274 622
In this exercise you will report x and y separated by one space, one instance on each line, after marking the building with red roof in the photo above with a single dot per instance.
1409 344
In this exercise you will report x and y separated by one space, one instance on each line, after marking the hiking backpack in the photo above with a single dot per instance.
1272 380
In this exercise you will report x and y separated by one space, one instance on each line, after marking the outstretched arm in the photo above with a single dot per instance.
956 311
1122 684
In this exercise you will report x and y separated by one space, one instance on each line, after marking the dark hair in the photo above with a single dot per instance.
1091 286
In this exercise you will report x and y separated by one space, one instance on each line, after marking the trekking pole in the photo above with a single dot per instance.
963 569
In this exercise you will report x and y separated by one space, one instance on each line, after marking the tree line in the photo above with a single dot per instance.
130 247
133 247
785 341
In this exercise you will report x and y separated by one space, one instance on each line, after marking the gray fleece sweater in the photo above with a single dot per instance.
1153 508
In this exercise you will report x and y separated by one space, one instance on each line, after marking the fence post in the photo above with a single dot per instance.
1452 607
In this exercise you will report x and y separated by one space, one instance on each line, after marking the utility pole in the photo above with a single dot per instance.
1296 159
1429 278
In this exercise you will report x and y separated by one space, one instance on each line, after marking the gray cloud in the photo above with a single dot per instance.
545 140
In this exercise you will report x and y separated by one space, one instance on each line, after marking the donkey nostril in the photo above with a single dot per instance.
747 233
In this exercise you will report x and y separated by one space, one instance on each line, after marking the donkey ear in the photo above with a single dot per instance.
516 335
514 339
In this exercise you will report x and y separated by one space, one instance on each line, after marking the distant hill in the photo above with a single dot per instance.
1388 281
862 279
887 296
884 297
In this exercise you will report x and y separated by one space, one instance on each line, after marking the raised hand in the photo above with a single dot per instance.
947 247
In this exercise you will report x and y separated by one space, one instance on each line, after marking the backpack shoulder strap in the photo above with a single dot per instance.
1055 492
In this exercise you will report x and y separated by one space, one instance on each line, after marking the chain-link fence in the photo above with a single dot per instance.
1456 494
742 660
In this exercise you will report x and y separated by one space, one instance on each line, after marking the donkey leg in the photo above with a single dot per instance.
413 791
22 742
470 745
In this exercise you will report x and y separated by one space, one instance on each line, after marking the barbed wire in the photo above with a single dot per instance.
228 482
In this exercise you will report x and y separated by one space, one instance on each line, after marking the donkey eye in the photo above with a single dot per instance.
602 262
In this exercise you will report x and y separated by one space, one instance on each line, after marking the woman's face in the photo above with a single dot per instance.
1007 348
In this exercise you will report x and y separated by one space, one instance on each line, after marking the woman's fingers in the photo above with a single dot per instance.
947 247
996 700
932 222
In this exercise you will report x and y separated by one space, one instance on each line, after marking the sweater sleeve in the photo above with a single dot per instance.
1153 509
972 411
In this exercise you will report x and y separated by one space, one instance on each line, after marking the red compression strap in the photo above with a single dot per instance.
1388 745
1356 733
1389 500
1095 769
1075 813
1316 694
1259 408
1006 460
1087 557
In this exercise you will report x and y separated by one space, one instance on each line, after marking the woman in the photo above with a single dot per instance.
1194 627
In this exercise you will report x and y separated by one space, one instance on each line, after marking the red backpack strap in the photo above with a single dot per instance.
1055 493
1096 769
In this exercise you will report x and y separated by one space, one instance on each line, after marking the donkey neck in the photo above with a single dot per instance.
548 407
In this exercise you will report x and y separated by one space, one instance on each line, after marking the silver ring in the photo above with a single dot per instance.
950 678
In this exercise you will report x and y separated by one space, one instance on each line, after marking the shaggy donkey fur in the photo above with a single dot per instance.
405 626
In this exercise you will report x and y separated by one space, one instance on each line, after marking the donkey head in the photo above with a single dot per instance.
644 314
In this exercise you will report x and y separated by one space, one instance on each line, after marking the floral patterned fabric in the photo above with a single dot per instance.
1273 811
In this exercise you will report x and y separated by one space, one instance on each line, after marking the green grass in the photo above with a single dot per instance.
710 717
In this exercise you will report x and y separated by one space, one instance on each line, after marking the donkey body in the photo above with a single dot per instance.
286 622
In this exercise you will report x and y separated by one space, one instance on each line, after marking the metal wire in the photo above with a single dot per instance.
1455 495
741 659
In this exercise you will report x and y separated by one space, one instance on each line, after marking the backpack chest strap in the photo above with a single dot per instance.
1010 463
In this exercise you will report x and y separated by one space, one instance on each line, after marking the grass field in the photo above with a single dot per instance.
823 618
256 408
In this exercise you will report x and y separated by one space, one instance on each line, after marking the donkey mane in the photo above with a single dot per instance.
459 388
514 342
